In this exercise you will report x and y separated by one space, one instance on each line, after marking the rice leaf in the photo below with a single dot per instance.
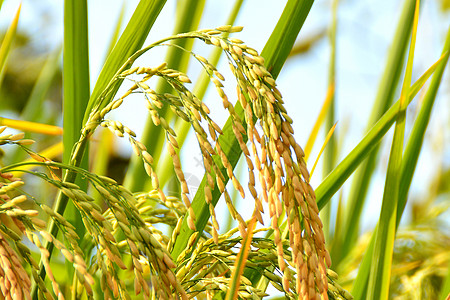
31 126
76 90
320 120
414 146
385 95
75 97
446 286
359 290
325 143
283 37
360 284
333 182
7 41
380 270
75 72
331 151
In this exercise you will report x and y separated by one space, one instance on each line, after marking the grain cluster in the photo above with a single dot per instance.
121 232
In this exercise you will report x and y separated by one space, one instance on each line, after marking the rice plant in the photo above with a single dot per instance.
86 235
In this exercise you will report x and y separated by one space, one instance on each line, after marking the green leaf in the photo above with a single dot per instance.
75 89
359 290
415 142
380 270
75 97
333 182
445 291
388 84
283 37
331 151
408 165
7 41
75 72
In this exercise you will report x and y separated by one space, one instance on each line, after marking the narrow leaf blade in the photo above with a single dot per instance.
380 270
385 95
333 182
7 41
